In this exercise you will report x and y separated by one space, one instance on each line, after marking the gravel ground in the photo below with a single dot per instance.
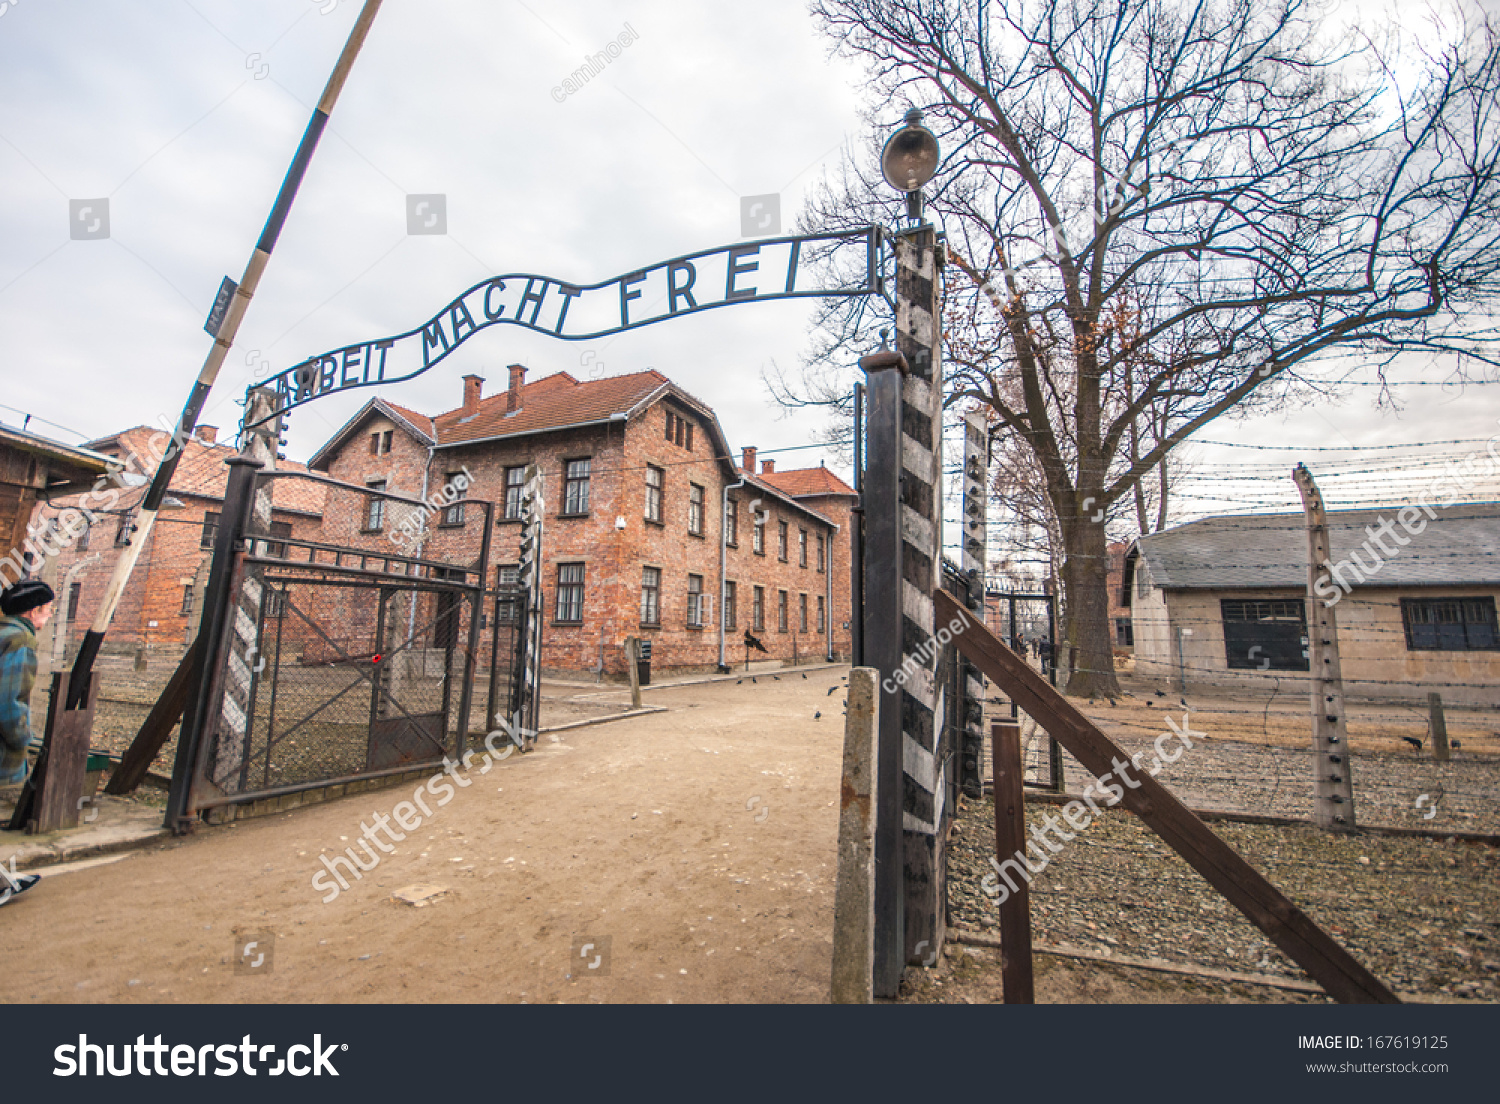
1422 914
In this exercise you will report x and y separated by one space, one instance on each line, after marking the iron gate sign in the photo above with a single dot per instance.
747 272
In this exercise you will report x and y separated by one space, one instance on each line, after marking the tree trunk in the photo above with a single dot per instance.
1086 585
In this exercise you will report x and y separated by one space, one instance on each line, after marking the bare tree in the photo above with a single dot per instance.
1256 194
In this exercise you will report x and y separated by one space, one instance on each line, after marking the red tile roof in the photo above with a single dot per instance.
553 402
201 471
808 481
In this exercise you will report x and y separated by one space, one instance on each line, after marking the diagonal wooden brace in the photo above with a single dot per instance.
1242 885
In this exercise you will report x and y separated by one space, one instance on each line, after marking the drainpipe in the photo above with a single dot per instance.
724 560
828 599
411 605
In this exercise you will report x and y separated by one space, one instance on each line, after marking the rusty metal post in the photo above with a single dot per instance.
1010 844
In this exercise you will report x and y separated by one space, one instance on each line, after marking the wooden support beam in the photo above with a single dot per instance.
1241 884
1010 841
159 723
1440 750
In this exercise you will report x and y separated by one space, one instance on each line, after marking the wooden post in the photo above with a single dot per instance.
854 893
1439 727
53 793
1333 785
1010 841
632 657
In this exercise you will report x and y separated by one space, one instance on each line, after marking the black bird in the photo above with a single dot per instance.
817 715
1159 694
1185 705
751 642
831 689
804 674
1413 741
1454 744
775 678
753 682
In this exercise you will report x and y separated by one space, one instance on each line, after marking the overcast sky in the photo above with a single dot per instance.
184 117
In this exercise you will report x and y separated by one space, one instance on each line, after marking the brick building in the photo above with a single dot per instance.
650 528
164 597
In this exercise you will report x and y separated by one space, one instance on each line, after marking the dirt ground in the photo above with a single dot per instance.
694 848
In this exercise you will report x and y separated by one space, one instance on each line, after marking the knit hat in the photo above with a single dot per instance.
25 596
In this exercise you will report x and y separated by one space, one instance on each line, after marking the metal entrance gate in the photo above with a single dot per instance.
336 662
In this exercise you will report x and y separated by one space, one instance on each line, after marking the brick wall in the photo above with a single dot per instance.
614 558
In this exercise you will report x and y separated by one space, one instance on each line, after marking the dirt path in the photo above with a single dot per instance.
694 848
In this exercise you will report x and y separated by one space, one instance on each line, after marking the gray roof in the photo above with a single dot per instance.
1459 547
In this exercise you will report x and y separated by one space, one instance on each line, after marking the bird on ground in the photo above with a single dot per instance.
753 682
1159 693
804 674
775 678
1413 741
1183 702
1454 744
817 715
831 689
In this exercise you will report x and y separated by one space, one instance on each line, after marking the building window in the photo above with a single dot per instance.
1450 624
210 529
454 515
821 549
515 483
651 596
758 535
83 537
1265 634
507 578
801 547
569 592
689 444
1124 632
695 601
802 612
380 442
728 617
655 477
758 609
822 613
375 506
576 487
781 531
671 426
187 603
695 509
75 599
732 524
781 611
276 549
127 526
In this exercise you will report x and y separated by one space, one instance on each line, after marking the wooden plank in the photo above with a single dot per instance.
1010 841
57 782
1241 884
158 725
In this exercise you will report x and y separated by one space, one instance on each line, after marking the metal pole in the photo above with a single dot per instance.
856 540
218 600
223 340
881 648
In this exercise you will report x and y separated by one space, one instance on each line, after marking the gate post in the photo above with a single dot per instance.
219 614
882 650
925 746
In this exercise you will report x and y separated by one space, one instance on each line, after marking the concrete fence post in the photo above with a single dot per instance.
854 894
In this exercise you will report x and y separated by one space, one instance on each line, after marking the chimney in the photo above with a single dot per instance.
747 462
517 381
473 390
207 434
768 467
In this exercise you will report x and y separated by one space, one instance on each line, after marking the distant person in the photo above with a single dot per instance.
24 608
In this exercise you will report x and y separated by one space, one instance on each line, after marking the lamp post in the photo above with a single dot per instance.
901 506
